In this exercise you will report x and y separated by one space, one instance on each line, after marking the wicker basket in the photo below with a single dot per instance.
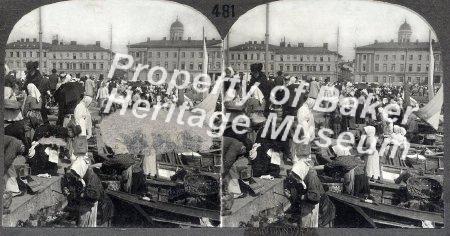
335 187
424 188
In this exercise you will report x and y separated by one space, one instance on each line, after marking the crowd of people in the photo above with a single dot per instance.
271 158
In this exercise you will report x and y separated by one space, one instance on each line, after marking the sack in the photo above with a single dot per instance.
80 145
257 119
12 104
278 110
7 200
35 118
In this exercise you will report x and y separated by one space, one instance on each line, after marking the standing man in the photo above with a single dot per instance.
89 87
53 80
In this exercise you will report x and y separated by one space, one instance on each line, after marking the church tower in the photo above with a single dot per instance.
176 30
404 33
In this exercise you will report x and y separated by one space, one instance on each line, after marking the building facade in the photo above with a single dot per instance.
301 61
22 51
177 52
397 62
69 58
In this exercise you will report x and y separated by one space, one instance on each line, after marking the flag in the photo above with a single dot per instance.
430 73
431 112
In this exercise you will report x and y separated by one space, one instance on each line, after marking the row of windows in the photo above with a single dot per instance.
246 66
185 66
78 66
402 57
304 58
307 68
27 54
172 54
250 56
400 68
21 64
73 55
393 79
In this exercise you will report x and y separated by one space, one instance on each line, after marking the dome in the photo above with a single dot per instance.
405 26
176 24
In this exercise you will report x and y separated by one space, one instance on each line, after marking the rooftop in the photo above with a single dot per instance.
77 47
27 45
73 46
286 49
399 46
176 44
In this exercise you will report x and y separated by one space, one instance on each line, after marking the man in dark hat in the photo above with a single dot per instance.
265 85
279 80
53 80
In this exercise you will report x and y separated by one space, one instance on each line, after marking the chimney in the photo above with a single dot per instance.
262 42
289 45
164 38
214 39
18 40
417 41
376 41
54 42
246 43
249 42
22 40
148 39
61 43
392 40
73 42
300 45
433 41
282 44
255 42
97 43
189 38
27 40
34 40
325 45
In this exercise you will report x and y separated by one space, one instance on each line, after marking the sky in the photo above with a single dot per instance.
312 22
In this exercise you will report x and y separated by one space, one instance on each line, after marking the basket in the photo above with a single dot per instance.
424 188
113 185
335 187
201 185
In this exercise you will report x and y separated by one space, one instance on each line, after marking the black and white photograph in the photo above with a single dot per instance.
286 115
88 144
345 124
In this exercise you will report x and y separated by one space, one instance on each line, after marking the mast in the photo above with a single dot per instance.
267 40
430 71
110 46
227 62
337 56
40 40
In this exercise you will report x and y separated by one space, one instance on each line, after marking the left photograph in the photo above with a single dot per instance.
112 117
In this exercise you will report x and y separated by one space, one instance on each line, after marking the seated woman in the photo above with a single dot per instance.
351 168
306 192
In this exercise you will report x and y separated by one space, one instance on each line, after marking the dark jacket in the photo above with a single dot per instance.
53 81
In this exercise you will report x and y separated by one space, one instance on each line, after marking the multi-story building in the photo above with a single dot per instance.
397 62
305 62
70 58
20 52
176 53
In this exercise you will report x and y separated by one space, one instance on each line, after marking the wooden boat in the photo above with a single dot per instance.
386 209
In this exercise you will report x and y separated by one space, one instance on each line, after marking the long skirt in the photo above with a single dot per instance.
373 165
309 215
89 218
149 163
10 178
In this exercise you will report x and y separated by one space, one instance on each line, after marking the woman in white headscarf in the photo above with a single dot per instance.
404 147
394 145
307 194
85 192
83 116
373 158
32 110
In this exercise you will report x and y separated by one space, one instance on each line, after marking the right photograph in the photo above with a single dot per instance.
334 118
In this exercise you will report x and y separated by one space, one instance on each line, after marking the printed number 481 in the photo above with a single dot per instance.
225 12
